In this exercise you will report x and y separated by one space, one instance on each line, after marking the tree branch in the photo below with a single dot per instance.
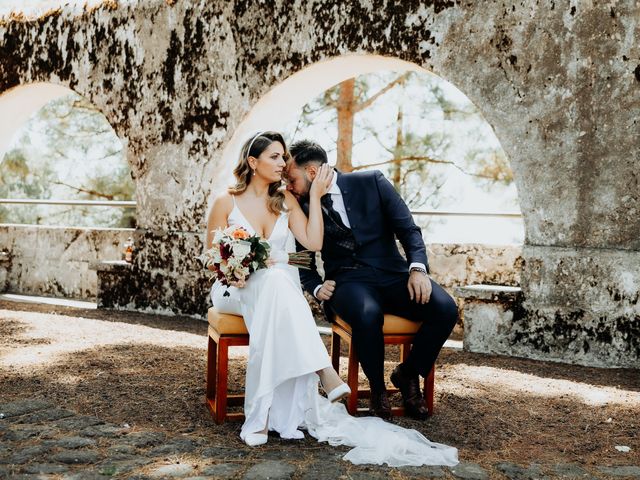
62 154
424 159
330 101
362 105
81 133
375 135
84 190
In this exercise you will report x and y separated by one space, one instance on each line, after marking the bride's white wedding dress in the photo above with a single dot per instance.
285 351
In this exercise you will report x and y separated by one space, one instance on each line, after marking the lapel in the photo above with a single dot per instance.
344 185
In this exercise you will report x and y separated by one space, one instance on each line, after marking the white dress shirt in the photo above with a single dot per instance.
338 201
338 206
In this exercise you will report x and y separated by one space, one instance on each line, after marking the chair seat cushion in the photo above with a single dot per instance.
226 324
392 325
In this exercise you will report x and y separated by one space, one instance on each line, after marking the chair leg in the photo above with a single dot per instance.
335 351
221 381
352 380
429 389
212 352
405 348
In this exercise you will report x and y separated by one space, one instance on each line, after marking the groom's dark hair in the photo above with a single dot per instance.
307 151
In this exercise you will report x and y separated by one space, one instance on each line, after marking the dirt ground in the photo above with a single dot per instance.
148 371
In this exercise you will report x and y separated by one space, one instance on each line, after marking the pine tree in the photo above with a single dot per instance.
67 150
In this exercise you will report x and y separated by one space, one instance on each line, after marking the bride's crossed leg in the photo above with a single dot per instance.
286 354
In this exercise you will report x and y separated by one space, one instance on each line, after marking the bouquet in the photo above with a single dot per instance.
235 254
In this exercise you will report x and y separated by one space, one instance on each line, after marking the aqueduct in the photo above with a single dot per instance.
559 83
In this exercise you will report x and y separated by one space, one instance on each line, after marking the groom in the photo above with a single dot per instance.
366 277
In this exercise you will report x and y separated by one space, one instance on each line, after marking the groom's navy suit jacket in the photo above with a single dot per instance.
377 215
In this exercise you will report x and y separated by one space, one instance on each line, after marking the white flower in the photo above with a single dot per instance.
241 249
225 269
234 262
215 255
218 235
228 232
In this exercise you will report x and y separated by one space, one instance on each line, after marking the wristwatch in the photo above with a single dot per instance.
418 269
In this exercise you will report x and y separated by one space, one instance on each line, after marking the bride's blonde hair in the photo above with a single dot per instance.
254 147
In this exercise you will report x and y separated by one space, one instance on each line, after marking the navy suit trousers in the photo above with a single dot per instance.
362 297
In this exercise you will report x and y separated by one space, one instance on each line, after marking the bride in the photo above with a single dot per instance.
286 355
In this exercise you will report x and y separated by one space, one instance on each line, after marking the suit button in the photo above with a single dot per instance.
348 209
353 255
352 227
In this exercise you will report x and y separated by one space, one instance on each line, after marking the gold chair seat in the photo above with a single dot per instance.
393 325
226 324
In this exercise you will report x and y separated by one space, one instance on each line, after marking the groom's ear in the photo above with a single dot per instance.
312 171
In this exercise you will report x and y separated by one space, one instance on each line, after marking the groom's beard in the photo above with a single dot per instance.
304 197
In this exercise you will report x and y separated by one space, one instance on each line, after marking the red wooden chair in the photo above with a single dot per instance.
227 330
224 331
397 331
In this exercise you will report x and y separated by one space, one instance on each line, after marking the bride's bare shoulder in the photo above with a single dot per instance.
223 203
290 200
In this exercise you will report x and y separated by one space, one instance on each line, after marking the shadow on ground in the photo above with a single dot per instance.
494 409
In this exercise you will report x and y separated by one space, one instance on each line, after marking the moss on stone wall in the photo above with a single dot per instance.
558 83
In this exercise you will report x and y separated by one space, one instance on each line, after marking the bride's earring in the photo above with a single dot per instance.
254 171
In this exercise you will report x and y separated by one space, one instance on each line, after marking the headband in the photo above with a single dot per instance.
253 140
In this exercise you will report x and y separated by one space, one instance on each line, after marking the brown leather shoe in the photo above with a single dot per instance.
379 405
409 386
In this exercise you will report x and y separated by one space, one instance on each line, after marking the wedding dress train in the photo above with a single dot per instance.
285 351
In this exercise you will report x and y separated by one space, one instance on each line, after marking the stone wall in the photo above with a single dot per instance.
63 268
55 261
578 301
558 82
455 265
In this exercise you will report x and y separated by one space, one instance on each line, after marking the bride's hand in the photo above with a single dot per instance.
277 256
322 181
238 283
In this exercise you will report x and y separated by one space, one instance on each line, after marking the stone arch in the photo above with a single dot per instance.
20 103
273 109
559 85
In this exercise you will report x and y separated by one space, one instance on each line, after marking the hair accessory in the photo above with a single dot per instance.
251 144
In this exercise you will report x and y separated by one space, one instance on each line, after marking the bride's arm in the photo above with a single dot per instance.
219 218
310 231
218 215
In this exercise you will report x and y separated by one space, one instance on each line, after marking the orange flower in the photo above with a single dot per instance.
240 234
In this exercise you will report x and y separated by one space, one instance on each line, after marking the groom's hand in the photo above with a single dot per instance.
325 292
419 286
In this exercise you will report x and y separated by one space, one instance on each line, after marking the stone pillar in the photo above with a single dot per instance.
581 306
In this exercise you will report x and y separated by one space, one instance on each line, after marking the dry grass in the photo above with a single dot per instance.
148 371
